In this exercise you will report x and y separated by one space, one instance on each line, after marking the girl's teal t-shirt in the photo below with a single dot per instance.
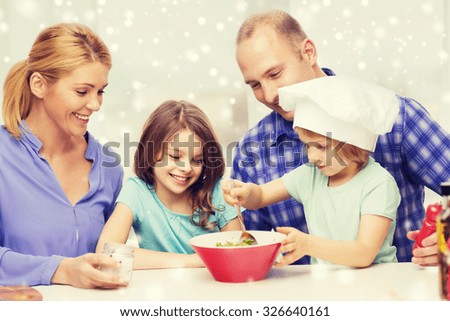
160 229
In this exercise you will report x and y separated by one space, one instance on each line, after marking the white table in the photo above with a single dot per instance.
394 281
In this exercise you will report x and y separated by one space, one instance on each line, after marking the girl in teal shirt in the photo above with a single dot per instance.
176 193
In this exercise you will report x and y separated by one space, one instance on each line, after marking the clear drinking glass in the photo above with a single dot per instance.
124 254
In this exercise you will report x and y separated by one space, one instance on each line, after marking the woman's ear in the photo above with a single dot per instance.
309 51
38 85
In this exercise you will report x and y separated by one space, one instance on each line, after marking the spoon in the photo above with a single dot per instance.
245 236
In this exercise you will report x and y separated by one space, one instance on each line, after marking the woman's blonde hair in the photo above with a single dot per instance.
57 51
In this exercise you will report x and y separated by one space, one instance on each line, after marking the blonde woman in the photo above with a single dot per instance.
56 195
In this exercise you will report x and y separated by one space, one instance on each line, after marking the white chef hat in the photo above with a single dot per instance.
352 111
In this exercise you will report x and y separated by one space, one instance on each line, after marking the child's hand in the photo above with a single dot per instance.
293 246
235 192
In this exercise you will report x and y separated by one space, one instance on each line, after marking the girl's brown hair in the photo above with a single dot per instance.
57 51
351 152
162 125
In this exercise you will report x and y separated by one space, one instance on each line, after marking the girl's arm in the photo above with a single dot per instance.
149 259
117 229
372 232
233 225
254 196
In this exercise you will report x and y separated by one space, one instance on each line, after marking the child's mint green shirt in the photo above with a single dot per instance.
158 228
334 212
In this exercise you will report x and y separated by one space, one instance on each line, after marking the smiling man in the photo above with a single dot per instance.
273 51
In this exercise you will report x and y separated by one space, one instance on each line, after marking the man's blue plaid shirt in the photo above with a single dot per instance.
416 153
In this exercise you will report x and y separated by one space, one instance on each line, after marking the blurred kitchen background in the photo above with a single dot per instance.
184 49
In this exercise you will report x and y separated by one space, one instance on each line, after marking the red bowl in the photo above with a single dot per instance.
238 263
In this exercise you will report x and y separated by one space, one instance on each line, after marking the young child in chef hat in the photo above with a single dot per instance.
350 201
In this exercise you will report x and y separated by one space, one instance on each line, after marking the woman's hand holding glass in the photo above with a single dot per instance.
85 271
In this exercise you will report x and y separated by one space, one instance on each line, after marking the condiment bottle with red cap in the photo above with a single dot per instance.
429 223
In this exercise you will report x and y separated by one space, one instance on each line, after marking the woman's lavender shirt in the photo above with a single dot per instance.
38 224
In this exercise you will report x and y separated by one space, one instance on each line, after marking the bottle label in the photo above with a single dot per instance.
443 238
